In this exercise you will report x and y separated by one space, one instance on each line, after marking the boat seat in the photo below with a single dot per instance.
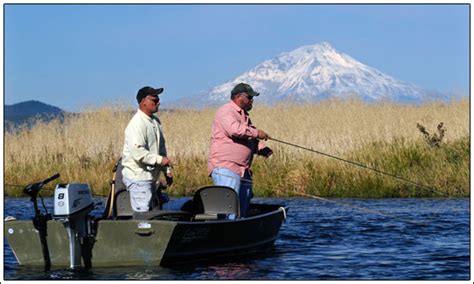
125 211
123 208
216 202
122 205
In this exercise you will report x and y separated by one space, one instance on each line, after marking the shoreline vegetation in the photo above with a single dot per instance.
403 140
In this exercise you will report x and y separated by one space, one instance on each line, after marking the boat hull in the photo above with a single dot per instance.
117 243
192 240
148 242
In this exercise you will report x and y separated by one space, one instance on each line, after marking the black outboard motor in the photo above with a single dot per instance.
40 220
72 205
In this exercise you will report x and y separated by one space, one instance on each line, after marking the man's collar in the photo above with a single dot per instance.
237 108
144 115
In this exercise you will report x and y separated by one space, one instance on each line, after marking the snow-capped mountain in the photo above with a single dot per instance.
312 73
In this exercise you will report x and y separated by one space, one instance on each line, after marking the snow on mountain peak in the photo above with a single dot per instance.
314 72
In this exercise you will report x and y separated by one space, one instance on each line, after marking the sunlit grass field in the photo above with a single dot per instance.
385 136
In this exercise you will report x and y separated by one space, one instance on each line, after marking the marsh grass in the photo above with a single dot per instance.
84 148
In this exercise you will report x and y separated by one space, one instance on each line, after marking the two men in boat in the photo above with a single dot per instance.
234 141
144 153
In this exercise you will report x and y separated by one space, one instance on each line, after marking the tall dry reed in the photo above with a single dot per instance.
84 147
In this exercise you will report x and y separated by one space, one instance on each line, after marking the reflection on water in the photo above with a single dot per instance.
147 274
319 241
229 271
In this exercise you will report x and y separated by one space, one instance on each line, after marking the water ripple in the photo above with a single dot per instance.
410 239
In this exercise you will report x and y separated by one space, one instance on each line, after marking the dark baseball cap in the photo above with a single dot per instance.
148 91
244 88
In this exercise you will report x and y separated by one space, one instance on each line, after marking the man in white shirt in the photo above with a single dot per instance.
144 153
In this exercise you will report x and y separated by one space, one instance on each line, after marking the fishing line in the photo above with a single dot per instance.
432 189
366 210
359 165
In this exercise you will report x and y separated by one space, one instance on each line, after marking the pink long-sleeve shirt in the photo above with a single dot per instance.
233 140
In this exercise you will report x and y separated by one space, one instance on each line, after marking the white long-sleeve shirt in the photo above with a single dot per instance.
144 148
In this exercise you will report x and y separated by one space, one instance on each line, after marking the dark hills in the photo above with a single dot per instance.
26 112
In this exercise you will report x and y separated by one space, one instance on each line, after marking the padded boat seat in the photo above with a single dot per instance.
213 202
125 211
122 205
123 208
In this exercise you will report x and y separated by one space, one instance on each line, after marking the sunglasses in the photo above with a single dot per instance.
155 101
248 96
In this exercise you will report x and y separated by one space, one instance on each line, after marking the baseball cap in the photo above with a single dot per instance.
244 88
148 91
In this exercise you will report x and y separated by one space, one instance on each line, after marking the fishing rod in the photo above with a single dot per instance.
356 164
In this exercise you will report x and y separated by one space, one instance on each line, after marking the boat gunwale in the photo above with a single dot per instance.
281 208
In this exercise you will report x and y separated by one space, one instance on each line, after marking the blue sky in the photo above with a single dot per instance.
72 56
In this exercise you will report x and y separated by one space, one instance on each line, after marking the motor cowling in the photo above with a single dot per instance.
71 199
72 205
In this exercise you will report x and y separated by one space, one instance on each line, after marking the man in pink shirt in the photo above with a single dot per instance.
234 141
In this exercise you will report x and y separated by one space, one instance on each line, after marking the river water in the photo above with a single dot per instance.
345 239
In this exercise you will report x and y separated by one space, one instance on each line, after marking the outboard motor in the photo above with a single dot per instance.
72 205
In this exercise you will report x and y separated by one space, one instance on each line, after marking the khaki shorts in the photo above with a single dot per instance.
142 194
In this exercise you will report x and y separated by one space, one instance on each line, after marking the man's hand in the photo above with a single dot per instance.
165 162
263 135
